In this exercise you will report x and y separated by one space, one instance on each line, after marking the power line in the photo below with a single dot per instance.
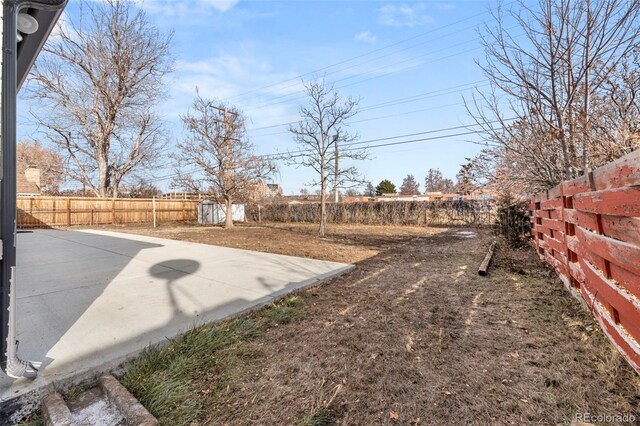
349 148
406 113
265 104
352 146
368 72
319 70
427 95
473 132
262 104
399 101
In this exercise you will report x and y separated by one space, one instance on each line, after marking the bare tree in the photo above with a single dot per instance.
48 161
353 192
618 129
321 135
436 182
369 190
97 84
219 147
548 83
466 178
409 186
143 189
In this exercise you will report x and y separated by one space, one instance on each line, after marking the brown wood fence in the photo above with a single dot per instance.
588 229
43 212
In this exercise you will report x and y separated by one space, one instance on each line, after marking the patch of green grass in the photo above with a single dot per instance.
34 419
177 382
321 417
76 391
285 311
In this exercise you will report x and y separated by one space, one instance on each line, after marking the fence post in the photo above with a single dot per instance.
154 211
184 211
113 211
91 219
259 217
68 211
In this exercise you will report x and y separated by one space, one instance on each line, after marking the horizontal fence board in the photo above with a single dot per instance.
551 204
623 254
618 202
554 192
620 173
617 335
588 229
622 228
554 224
626 305
575 186
554 244
576 272
625 278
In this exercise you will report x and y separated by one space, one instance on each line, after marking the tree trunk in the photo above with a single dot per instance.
228 219
336 175
323 202
103 179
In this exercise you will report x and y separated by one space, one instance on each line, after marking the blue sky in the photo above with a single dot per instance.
393 55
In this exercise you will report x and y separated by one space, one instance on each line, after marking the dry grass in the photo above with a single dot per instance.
344 243
412 336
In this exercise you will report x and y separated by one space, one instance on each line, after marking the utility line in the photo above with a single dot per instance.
368 72
352 146
349 145
378 118
319 70
264 104
399 101
349 148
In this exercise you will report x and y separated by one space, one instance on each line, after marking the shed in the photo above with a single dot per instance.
213 213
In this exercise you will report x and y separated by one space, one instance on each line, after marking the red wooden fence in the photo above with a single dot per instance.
589 230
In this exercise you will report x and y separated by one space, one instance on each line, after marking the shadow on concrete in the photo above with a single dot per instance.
90 301
178 268
67 272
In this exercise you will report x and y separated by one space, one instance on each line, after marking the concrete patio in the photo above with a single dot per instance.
87 300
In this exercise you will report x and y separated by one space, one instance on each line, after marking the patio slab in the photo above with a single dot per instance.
88 300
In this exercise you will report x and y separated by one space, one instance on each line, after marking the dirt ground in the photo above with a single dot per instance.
414 336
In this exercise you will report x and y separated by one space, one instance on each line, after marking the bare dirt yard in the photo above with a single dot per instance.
412 336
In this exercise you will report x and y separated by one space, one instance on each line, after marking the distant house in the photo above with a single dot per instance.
28 183
262 191
302 199
184 195
429 196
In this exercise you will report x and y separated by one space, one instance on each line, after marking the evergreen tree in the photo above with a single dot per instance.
385 187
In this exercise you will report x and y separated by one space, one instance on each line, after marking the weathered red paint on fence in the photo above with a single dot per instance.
588 229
